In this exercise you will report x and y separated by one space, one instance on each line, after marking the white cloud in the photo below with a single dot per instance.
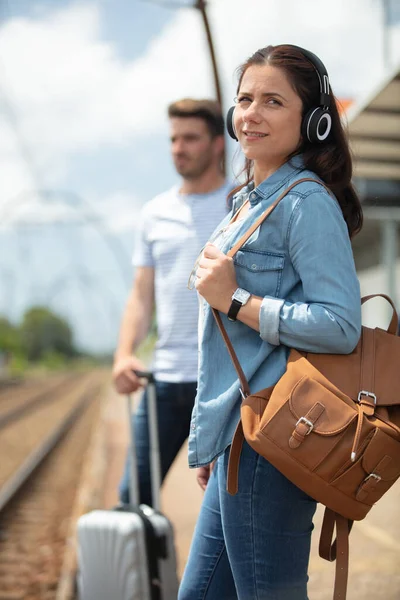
69 88
119 211
346 36
116 213
71 92
65 92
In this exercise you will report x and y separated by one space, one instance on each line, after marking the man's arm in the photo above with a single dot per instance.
135 326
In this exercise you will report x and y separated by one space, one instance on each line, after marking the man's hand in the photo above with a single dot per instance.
125 381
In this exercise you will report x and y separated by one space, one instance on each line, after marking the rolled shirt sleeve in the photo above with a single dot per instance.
270 313
329 318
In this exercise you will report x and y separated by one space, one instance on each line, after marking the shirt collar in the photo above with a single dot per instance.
270 185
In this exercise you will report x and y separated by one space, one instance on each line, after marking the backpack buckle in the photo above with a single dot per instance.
368 394
373 476
306 422
244 396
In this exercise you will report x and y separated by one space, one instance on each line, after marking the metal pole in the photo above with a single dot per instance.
389 256
201 6
386 34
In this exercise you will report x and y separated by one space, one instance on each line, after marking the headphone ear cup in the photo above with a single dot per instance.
317 125
229 123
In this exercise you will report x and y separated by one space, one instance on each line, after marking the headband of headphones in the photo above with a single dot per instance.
325 98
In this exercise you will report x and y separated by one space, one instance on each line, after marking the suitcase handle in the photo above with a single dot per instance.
155 469
145 375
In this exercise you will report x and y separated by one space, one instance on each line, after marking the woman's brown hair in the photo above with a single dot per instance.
331 160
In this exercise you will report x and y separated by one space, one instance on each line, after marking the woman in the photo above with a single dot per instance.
298 289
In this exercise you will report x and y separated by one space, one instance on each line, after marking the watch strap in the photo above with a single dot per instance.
234 309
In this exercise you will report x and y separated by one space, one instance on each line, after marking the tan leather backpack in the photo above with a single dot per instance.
331 425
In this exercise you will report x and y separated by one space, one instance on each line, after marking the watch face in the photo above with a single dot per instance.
241 295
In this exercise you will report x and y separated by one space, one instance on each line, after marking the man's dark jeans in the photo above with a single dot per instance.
174 409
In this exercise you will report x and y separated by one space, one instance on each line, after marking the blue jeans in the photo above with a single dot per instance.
252 546
174 409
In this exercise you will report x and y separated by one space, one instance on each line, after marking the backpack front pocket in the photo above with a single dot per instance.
310 424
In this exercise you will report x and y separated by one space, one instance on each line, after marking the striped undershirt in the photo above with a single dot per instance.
174 228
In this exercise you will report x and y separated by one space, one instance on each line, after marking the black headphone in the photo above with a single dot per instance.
317 122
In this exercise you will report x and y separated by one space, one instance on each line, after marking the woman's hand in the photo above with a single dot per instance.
203 475
216 278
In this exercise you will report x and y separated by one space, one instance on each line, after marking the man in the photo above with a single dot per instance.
174 227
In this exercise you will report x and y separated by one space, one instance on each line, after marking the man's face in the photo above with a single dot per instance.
192 147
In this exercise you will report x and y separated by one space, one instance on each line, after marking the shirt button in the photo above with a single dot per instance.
193 427
254 267
252 196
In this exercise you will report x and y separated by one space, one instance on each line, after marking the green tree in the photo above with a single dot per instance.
9 337
43 332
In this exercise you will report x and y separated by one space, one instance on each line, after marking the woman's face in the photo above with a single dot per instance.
267 116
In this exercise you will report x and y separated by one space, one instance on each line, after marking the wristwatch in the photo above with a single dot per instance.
239 299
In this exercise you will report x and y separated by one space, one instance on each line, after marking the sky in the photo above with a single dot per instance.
84 88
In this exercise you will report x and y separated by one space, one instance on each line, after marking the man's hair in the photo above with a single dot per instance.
207 110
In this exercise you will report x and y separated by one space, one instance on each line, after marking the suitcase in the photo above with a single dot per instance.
128 553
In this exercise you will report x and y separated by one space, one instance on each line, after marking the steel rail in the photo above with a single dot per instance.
16 481
9 383
32 403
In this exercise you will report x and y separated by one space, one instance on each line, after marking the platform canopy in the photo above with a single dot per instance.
374 128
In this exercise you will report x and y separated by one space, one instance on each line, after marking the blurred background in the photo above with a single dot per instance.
84 141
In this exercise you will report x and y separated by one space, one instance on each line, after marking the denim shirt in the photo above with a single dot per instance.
300 262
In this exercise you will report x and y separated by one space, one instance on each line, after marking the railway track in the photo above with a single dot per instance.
29 392
21 386
13 407
7 383
42 451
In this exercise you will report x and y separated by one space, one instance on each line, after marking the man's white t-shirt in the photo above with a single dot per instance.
174 228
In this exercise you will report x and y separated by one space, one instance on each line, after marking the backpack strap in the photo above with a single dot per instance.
394 323
337 550
242 378
232 479
329 550
269 210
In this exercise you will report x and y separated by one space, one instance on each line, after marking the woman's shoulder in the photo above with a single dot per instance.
307 182
309 189
314 208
